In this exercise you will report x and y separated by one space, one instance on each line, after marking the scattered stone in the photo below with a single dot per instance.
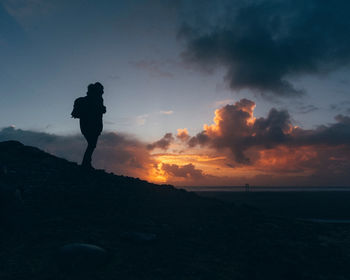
10 197
140 237
11 203
81 257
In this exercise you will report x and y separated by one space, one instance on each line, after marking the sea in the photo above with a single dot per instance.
265 189
329 204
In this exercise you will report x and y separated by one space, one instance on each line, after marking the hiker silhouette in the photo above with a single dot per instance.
89 110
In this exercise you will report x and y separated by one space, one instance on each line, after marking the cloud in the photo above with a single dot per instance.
237 148
230 129
170 112
264 43
305 109
331 135
186 171
237 132
163 143
182 134
223 102
317 165
340 107
115 152
141 119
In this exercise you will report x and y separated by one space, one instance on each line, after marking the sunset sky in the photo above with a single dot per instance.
197 92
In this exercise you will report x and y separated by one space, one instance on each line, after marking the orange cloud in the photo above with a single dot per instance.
182 134
236 149
239 147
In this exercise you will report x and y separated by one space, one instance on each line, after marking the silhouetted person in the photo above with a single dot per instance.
89 110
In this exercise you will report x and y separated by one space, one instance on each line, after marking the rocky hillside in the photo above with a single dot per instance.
59 221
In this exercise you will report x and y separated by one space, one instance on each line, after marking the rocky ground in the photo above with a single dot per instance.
51 209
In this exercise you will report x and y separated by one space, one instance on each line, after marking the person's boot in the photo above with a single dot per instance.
87 166
86 163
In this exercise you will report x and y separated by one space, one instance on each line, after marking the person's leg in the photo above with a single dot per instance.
92 141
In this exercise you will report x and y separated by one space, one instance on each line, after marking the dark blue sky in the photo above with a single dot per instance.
258 88
51 50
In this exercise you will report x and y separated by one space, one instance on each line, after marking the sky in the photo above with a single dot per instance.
197 92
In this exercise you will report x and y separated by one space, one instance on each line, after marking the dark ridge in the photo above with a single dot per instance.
59 221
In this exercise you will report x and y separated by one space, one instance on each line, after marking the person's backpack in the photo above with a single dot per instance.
78 108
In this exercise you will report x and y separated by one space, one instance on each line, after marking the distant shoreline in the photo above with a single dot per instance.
309 204
262 189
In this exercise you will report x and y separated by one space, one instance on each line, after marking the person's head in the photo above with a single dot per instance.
95 89
91 89
99 88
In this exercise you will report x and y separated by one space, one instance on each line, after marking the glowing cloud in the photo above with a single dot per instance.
170 112
237 148
182 134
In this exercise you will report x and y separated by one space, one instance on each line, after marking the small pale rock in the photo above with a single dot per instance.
81 256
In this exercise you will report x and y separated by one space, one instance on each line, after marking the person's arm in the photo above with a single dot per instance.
103 107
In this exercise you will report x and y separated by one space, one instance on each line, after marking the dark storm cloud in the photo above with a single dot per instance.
163 143
66 146
230 129
330 135
236 130
185 171
263 43
119 153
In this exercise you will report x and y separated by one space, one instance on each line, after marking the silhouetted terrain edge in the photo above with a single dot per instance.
49 205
